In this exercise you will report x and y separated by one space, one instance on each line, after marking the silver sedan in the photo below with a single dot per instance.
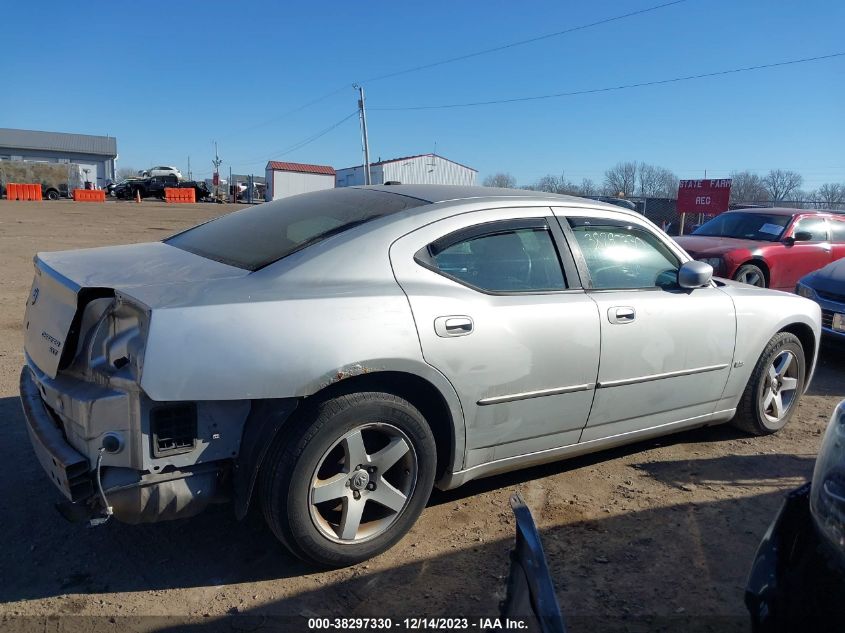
334 355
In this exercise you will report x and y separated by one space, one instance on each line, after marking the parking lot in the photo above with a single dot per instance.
645 537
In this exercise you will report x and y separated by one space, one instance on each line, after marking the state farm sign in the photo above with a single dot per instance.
704 196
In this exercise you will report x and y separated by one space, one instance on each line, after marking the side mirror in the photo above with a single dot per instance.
789 241
694 274
803 236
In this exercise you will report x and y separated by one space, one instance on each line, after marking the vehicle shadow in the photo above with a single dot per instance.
829 379
44 556
665 569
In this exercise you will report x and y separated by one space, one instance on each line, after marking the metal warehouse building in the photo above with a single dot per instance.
95 153
289 179
424 169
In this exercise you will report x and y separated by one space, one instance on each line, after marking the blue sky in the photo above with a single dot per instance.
169 81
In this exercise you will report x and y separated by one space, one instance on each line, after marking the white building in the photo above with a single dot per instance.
289 179
425 169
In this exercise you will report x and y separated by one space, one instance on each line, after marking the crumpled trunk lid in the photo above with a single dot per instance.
66 281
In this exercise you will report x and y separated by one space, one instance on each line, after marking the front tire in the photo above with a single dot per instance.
750 274
350 480
775 387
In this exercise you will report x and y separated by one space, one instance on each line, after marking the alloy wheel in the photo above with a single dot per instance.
363 483
752 277
780 386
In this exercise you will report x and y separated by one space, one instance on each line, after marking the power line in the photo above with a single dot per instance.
303 142
611 88
466 56
531 40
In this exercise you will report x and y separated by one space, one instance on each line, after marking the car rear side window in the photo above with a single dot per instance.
619 255
514 256
258 236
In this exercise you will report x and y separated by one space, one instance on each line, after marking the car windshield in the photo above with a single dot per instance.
764 227
256 237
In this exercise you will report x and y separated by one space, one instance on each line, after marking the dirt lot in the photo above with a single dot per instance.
650 537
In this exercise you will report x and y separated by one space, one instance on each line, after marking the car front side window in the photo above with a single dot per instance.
815 227
499 257
837 230
620 255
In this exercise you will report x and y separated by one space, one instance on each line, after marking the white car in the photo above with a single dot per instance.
161 170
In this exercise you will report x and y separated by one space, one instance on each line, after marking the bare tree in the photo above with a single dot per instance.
780 183
799 199
588 188
621 179
656 182
747 187
556 184
830 194
548 183
126 172
500 179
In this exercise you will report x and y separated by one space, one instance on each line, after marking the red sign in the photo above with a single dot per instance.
704 196
215 179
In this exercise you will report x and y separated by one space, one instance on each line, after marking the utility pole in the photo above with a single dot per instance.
216 177
364 140
190 176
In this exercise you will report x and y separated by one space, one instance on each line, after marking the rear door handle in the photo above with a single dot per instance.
621 314
457 325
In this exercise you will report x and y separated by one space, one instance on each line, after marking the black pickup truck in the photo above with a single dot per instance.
154 186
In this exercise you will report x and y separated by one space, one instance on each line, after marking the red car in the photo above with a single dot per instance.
771 248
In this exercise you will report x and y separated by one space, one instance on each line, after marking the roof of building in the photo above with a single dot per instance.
244 177
58 142
301 168
403 158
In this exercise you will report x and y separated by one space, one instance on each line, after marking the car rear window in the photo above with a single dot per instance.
258 236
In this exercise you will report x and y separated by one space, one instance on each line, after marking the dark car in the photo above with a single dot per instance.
797 580
126 188
153 187
827 288
770 248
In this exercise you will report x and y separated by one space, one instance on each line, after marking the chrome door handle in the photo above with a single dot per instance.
621 314
457 325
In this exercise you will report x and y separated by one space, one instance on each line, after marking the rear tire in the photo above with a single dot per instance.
751 274
775 387
321 505
52 194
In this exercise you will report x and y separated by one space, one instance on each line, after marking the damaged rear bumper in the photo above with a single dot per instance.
67 468
135 496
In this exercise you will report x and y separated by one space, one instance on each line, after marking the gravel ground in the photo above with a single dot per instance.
654 536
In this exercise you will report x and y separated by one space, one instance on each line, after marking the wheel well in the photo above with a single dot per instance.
419 392
808 342
762 265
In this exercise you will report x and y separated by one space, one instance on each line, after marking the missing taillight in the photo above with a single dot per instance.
173 429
